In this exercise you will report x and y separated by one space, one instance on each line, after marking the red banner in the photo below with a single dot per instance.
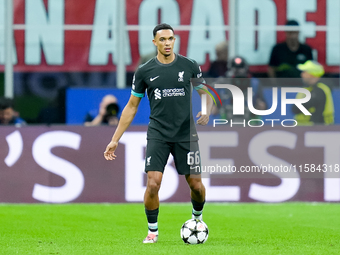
43 44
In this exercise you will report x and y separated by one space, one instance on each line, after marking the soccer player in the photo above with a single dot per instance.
166 79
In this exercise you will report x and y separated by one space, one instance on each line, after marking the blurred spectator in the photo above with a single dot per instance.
218 67
321 103
107 113
238 71
8 116
287 55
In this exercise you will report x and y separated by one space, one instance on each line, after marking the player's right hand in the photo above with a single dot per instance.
109 154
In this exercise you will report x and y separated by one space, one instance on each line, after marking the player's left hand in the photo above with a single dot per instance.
203 119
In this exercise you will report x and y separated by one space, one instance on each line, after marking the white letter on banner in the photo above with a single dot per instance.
201 41
218 139
2 36
45 29
148 19
330 141
74 178
16 146
333 32
297 10
290 182
246 10
104 39
135 143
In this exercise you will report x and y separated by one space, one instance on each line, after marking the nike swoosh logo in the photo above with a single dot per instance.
154 78
193 167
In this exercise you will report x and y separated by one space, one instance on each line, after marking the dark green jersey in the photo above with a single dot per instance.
169 91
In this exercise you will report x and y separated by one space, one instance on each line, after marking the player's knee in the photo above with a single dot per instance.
154 182
153 186
197 187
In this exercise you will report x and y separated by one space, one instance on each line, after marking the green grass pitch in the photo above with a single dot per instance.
287 228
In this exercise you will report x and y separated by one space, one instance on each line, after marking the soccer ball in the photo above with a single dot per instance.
194 231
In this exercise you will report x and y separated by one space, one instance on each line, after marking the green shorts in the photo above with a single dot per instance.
186 155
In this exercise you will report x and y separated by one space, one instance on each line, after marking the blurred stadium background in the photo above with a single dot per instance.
59 58
58 195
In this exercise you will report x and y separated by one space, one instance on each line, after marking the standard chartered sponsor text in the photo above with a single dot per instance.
175 92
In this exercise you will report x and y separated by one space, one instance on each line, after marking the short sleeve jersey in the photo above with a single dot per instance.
169 89
286 60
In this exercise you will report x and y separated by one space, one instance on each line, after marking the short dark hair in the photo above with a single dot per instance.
6 103
161 27
292 22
